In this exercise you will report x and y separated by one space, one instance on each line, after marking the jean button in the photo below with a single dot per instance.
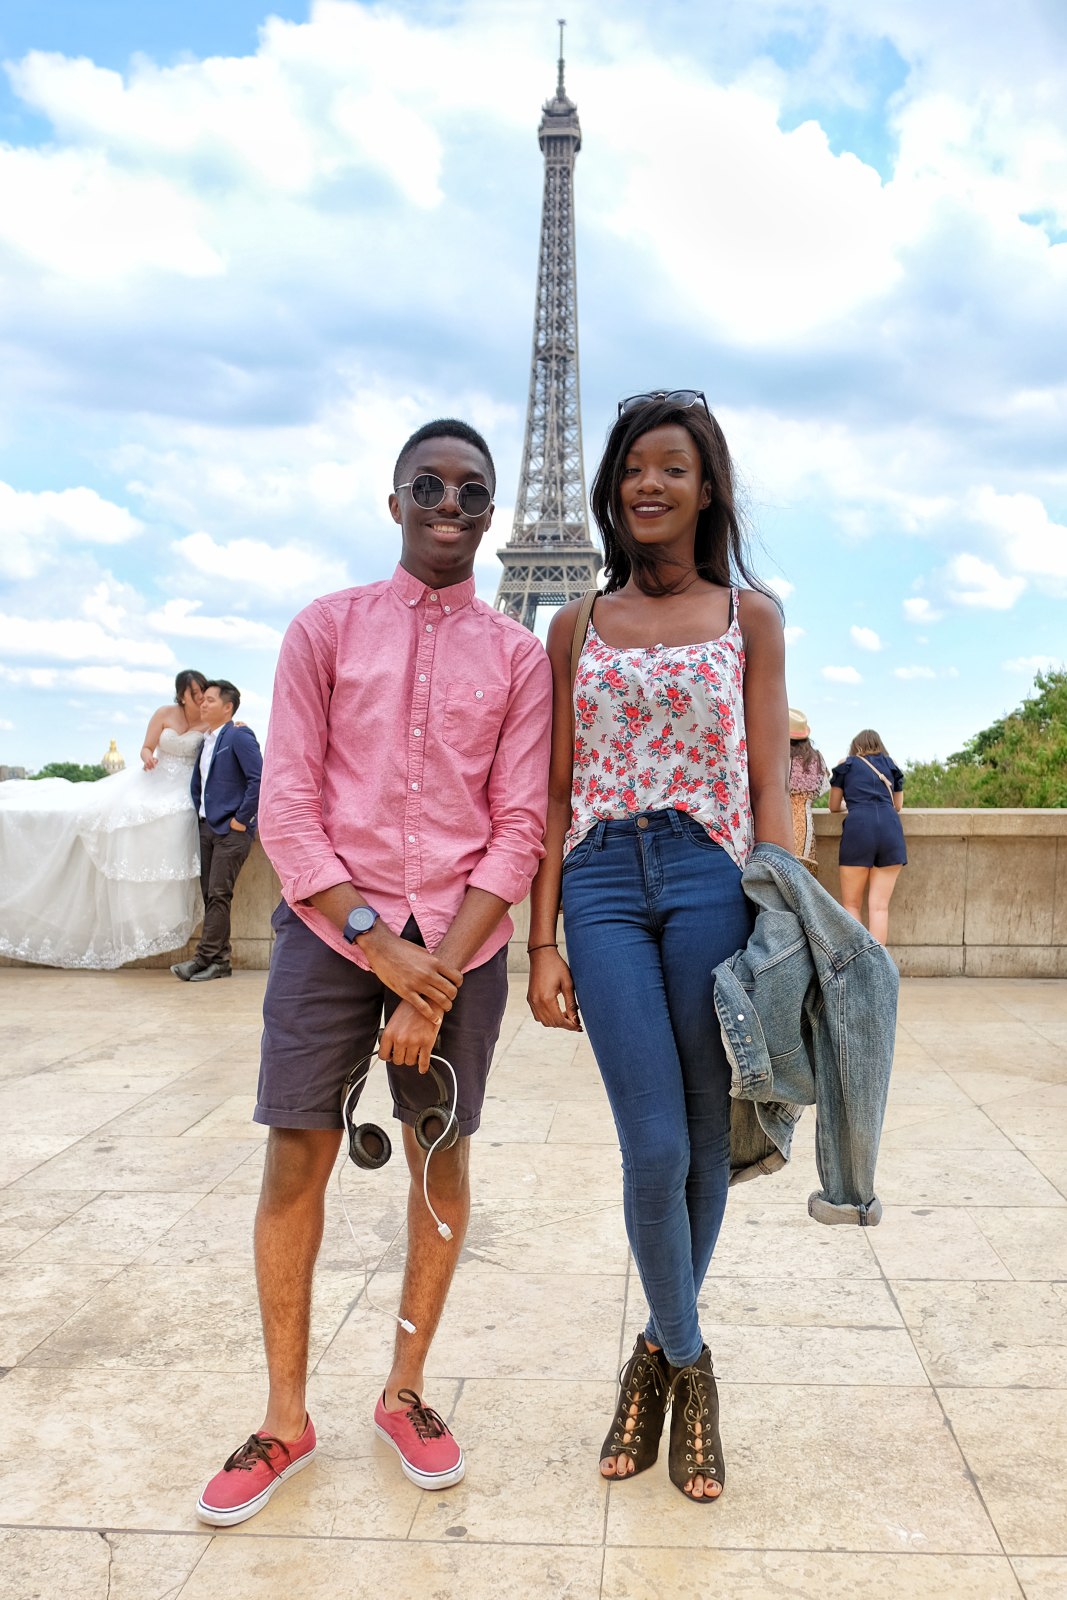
642 822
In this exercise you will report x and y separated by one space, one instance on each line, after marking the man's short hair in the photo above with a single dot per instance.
445 428
228 692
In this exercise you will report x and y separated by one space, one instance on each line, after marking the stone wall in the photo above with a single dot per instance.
984 895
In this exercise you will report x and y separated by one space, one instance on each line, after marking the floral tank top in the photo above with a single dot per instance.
663 728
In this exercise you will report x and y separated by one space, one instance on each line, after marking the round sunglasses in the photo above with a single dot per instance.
428 491
681 397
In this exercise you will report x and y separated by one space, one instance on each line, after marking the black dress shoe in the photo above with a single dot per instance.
185 970
217 969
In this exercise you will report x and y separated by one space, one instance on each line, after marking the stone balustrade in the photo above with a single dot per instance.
984 895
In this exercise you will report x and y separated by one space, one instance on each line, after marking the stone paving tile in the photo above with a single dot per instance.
129 1318
665 1573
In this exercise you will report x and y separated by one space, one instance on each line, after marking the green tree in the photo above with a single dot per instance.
72 771
1019 760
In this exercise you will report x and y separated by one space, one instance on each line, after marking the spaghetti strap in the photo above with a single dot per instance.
733 604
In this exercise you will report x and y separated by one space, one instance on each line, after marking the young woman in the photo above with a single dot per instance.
871 786
667 760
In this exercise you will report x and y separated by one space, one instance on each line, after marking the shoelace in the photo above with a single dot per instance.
695 1409
641 1366
426 1422
257 1447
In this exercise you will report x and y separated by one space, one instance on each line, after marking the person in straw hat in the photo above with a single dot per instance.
809 776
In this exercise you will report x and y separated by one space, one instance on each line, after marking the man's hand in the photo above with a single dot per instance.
238 827
428 984
408 1038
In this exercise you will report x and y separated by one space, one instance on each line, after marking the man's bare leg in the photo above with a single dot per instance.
431 1260
289 1223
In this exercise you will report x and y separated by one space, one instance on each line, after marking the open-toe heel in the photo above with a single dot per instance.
695 1447
644 1394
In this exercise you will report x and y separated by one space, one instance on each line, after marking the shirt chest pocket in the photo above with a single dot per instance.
473 716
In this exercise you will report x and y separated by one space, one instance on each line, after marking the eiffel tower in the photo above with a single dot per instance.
550 557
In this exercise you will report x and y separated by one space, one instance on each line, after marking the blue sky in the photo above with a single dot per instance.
245 250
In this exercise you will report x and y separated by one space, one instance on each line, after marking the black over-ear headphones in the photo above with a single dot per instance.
370 1146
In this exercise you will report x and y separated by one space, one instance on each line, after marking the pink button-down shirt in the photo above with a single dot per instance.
407 754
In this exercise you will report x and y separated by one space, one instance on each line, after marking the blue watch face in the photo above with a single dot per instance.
361 920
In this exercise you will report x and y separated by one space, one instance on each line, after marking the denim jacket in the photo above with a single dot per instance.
807 1012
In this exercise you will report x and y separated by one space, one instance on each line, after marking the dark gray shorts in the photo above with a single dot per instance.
322 1013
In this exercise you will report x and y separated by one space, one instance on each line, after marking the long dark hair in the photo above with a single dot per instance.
720 550
184 682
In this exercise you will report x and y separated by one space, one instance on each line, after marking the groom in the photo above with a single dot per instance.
225 789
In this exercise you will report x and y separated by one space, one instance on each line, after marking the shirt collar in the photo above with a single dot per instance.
413 591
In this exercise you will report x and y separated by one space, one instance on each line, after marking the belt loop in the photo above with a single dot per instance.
676 821
599 829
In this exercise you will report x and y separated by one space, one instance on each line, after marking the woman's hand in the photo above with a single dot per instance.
149 759
551 991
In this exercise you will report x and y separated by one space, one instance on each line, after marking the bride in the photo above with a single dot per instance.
98 874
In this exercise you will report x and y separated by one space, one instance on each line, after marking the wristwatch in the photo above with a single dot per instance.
361 920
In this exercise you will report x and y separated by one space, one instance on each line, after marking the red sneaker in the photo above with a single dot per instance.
429 1454
251 1476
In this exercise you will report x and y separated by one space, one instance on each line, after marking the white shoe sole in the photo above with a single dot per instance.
424 1480
226 1519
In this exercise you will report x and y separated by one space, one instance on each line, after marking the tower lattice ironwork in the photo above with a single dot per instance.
550 557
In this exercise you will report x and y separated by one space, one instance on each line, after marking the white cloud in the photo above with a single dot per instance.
865 638
919 609
6 726
278 570
792 634
99 680
1034 664
32 523
72 639
781 586
841 675
977 583
1032 543
178 617
910 673
74 215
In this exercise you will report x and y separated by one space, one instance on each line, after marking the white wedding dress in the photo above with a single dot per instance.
98 874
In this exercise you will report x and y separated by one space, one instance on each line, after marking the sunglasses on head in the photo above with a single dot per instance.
680 397
428 491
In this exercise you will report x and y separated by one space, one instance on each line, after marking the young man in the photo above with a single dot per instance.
225 790
403 805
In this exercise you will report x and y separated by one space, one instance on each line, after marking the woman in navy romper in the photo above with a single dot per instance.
871 786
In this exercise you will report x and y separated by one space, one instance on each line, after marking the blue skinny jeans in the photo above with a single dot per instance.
651 905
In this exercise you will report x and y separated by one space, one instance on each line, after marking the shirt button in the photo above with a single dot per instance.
413 896
416 732
414 786
411 838
448 611
479 694
740 1016
412 602
433 597
429 627
422 677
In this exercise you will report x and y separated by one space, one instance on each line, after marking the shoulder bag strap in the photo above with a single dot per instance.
581 628
877 774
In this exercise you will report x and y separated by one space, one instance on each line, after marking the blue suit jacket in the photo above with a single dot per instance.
232 780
